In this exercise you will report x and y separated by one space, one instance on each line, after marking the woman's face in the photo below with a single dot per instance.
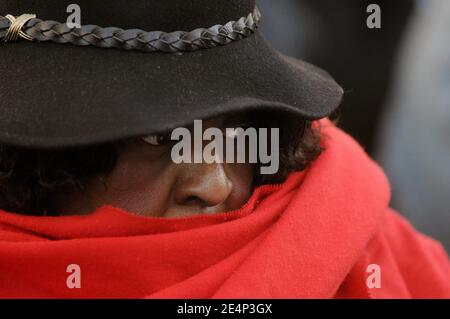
147 182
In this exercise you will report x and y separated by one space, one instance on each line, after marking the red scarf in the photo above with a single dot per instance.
311 237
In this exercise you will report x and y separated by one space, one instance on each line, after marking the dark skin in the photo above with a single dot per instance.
145 181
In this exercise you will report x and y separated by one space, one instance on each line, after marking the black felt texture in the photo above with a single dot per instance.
61 95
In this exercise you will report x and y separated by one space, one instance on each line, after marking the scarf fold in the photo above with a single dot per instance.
310 237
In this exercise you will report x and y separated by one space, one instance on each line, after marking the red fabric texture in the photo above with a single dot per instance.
311 237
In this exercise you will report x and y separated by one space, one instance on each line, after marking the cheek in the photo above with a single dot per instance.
241 175
140 186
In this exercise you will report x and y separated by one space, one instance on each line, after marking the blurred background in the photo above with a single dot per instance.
397 84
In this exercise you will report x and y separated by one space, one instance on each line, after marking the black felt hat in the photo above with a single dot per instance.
60 90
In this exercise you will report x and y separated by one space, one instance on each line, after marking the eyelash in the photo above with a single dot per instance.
157 140
163 139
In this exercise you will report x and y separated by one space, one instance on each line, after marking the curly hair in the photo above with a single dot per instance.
30 178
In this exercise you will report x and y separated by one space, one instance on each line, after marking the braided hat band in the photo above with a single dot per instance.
30 28
15 30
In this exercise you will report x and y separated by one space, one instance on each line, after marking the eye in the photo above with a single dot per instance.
157 139
237 130
231 133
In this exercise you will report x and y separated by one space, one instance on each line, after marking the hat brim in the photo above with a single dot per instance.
55 96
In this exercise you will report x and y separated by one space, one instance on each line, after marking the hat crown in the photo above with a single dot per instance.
149 15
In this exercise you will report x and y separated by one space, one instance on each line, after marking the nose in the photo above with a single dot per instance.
203 186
